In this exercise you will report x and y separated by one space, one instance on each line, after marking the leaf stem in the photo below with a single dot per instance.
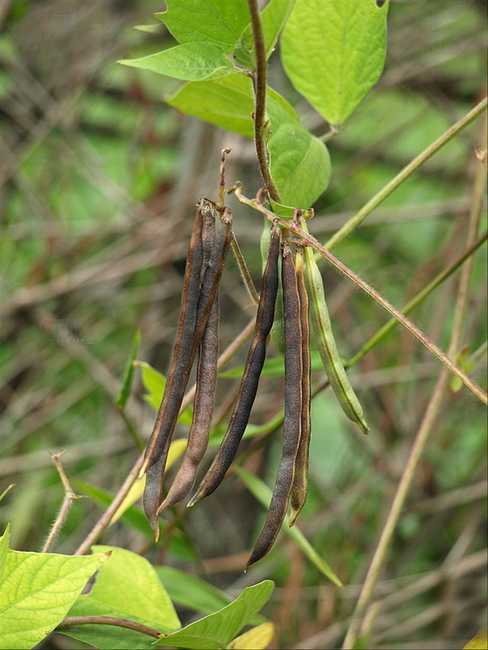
406 172
259 80
72 621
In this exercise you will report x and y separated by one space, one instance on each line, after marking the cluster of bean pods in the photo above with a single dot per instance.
302 295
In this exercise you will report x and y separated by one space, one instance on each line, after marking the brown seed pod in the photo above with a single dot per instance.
300 477
197 299
293 406
250 379
203 407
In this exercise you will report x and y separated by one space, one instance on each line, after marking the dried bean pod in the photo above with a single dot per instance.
277 329
203 407
293 406
197 300
300 478
250 379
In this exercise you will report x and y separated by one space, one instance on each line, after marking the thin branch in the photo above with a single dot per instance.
406 172
423 434
407 324
259 79
380 334
69 497
72 621
244 270
107 515
308 240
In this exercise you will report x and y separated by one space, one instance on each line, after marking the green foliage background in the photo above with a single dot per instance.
98 180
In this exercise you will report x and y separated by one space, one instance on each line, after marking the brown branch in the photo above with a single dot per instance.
69 497
425 429
259 79
107 515
72 621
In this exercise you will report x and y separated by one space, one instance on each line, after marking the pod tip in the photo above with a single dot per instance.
193 501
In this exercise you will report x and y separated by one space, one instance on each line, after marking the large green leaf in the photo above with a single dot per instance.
128 584
189 62
217 630
263 494
273 19
229 103
37 591
300 165
217 21
334 52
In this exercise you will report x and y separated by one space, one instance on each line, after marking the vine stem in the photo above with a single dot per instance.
407 171
69 497
425 429
71 621
259 80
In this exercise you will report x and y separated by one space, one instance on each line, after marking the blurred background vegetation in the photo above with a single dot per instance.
98 178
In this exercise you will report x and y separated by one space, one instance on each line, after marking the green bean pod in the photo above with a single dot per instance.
300 478
327 345
293 406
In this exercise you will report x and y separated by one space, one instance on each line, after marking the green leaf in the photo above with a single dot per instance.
154 382
128 584
37 591
127 587
273 19
263 494
229 103
188 62
218 21
334 52
217 630
128 380
4 546
180 545
299 164
190 591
